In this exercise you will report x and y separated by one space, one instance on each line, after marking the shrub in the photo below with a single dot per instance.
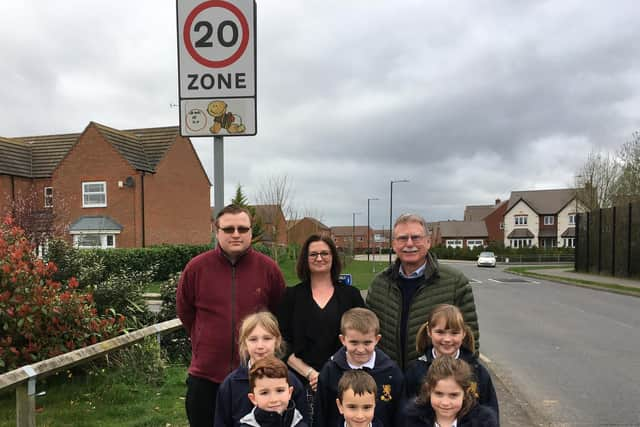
176 344
39 316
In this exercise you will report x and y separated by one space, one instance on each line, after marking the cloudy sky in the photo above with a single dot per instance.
467 100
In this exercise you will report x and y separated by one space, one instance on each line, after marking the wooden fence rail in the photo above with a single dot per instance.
24 378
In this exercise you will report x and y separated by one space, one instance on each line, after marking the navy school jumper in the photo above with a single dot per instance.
390 400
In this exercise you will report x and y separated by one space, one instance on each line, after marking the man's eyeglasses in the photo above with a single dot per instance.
230 230
323 255
416 238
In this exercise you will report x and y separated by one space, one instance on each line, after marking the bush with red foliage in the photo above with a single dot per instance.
39 317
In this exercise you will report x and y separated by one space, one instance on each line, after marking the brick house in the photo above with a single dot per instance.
274 224
111 188
491 215
543 218
343 235
462 234
300 229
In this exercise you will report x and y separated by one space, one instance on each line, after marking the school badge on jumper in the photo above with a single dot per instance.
386 393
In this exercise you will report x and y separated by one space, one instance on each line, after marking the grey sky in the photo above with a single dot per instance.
468 100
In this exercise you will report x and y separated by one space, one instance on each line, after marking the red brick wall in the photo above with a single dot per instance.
177 200
95 159
303 229
492 222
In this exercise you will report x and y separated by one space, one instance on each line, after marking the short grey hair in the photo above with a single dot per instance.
411 217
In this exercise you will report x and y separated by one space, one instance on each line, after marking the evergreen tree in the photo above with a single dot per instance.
241 200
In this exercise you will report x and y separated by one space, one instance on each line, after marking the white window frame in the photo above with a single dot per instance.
454 243
572 219
48 198
548 220
520 219
84 193
520 243
569 242
102 237
473 243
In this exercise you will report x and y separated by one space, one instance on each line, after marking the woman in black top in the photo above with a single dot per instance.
310 312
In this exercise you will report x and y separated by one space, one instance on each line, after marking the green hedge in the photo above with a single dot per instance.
169 259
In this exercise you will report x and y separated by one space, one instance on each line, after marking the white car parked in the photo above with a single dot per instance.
486 259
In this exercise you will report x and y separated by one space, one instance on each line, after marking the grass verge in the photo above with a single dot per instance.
362 272
610 287
105 399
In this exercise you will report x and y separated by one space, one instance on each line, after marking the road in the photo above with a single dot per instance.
573 353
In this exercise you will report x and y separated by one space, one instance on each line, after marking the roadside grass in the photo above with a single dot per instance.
105 399
362 272
153 287
611 287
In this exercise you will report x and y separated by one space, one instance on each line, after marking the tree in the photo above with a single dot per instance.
256 225
277 190
596 181
40 224
628 184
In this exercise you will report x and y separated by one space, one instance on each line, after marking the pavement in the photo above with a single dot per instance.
598 278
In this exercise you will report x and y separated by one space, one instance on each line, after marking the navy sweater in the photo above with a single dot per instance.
423 415
233 402
415 375
388 377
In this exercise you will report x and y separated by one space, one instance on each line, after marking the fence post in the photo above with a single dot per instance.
26 404
575 240
613 243
599 240
629 244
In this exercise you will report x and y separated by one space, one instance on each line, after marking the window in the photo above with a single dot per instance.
94 194
521 219
454 243
520 243
569 242
471 244
572 219
48 197
92 241
548 220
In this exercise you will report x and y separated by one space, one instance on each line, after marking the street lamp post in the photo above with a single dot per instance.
353 235
369 227
391 213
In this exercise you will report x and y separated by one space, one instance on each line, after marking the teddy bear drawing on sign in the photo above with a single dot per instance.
222 119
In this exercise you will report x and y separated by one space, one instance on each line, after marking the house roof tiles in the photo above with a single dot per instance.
38 156
463 229
520 233
93 224
543 201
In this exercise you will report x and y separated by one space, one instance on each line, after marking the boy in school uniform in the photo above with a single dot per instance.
270 393
357 399
360 332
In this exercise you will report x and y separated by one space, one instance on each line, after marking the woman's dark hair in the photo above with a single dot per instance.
302 268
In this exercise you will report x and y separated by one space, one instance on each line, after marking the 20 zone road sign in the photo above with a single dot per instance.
217 67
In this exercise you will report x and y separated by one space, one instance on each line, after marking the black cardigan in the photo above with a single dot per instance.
299 331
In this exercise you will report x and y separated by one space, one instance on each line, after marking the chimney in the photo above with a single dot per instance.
497 202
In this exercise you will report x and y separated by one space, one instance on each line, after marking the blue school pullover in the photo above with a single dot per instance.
390 400
417 371
233 403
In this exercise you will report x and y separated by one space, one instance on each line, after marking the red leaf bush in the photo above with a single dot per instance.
39 317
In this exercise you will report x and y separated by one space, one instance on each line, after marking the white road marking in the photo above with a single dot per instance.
494 280
475 280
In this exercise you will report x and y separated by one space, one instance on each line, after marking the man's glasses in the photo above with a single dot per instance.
323 255
230 230
416 238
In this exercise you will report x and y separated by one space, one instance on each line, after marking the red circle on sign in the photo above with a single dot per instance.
187 34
